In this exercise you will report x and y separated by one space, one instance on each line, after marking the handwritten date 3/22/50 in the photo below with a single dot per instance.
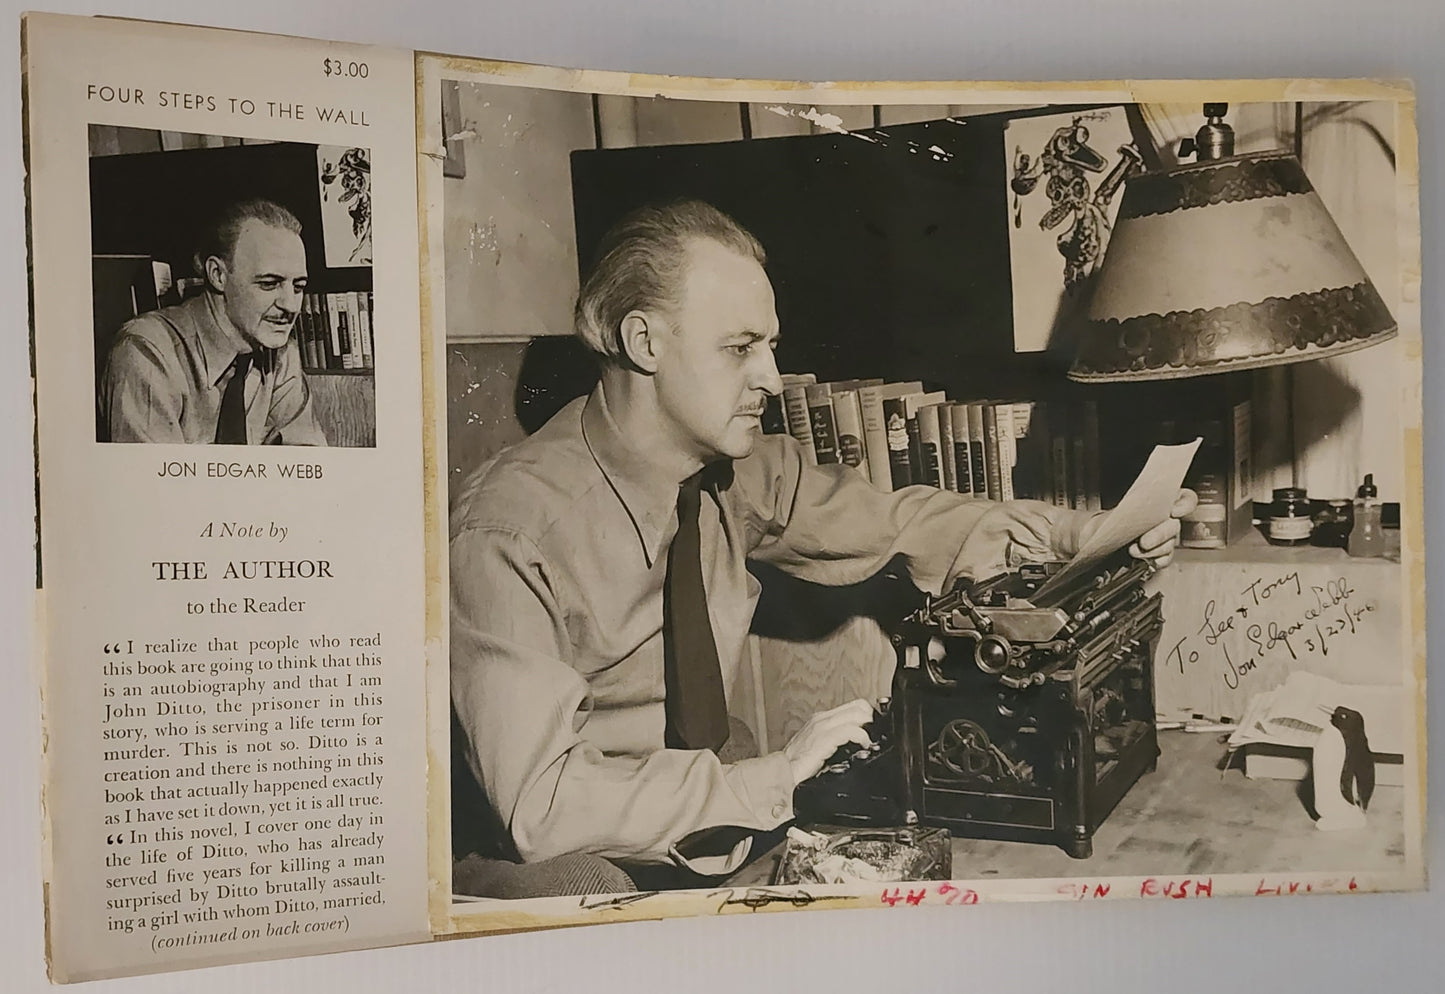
1273 619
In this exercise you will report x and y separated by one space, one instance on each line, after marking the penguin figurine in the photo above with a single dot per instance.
1344 772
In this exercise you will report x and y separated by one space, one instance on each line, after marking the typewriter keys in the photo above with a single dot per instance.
1009 719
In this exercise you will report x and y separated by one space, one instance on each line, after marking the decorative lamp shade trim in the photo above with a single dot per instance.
1239 336
1220 265
1218 181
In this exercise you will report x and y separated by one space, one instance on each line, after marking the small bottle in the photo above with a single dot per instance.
1333 523
1289 517
1367 538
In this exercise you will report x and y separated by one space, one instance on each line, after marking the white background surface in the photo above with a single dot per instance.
1377 943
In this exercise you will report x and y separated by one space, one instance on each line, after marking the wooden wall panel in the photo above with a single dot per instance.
911 113
683 122
801 678
510 242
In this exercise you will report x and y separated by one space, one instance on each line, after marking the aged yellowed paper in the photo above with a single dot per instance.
505 151
223 251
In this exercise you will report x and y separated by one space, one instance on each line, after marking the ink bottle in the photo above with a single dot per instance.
1289 517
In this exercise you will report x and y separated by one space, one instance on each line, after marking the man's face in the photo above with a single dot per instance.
715 367
262 283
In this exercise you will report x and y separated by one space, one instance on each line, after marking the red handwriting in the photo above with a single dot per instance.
1177 889
957 895
1084 891
1092 890
1282 888
913 897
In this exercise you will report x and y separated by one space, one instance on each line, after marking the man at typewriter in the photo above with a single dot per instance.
600 595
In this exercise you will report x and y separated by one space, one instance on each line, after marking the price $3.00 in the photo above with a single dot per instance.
349 70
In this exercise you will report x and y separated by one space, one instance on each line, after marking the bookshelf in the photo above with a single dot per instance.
893 266
892 276
334 333
147 209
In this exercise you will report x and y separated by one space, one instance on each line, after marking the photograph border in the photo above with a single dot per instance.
453 918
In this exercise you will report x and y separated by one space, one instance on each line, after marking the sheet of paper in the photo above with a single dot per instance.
233 635
1147 503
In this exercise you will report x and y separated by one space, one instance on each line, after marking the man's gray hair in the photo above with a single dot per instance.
640 263
219 236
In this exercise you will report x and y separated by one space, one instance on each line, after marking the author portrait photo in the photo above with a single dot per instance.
223 366
231 298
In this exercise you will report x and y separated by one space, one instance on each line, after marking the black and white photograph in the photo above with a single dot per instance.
508 471
232 290
923 502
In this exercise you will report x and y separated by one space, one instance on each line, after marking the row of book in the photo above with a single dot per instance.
899 435
333 330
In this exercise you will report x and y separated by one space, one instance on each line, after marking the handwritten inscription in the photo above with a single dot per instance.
1085 891
1177 889
1282 888
1277 617
912 894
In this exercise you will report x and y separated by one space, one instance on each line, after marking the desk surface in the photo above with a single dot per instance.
1187 818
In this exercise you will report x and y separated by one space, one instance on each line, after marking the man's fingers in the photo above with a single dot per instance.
841 725
845 724
857 711
1161 534
857 706
837 738
1186 502
1153 544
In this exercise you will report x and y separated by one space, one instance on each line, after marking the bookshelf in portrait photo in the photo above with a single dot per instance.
151 191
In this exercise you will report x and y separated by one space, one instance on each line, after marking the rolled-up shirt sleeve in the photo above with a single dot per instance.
524 708
829 525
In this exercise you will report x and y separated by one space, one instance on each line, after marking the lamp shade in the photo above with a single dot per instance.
1220 265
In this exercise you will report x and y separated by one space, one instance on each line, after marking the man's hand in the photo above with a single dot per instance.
823 734
1158 542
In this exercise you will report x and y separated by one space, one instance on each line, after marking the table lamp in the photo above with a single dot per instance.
1227 263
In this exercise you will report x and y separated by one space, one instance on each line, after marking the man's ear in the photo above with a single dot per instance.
216 273
640 335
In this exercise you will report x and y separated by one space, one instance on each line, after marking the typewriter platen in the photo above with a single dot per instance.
1013 716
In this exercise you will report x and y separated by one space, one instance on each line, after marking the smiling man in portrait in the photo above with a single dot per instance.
223 366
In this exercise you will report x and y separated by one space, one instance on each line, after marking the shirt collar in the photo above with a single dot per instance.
648 496
219 342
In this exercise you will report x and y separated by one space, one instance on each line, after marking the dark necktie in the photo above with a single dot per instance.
231 425
697 714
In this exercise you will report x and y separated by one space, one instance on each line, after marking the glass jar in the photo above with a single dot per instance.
1332 524
1289 517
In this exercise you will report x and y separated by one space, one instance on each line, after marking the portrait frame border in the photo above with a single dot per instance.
452 918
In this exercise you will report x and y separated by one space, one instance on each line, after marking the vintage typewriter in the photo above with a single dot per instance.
1020 710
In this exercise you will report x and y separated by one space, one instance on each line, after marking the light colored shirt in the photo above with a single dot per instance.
558 557
168 370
